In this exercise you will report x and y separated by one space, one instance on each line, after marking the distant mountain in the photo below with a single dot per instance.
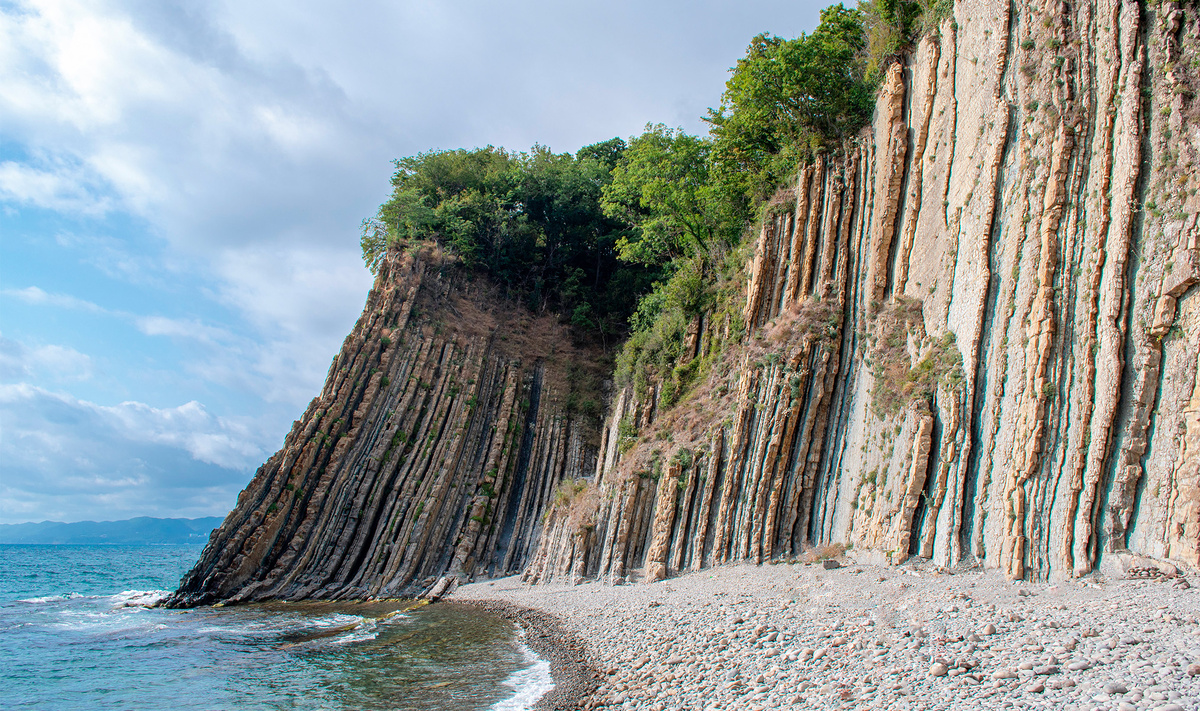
142 530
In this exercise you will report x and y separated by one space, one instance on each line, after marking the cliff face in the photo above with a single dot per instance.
435 445
972 338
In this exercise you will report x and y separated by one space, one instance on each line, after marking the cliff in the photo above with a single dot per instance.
972 337
436 444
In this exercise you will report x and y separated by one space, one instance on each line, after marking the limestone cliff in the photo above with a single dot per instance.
435 445
973 336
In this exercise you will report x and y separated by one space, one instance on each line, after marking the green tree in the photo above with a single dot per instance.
786 100
531 221
660 188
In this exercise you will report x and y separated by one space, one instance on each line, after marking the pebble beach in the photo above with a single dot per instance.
804 636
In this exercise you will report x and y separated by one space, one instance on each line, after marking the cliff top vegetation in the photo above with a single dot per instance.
631 237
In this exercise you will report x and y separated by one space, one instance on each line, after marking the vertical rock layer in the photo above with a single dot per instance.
973 336
435 446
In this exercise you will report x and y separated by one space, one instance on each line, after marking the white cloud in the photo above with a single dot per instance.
51 363
117 260
64 188
65 457
39 297
191 329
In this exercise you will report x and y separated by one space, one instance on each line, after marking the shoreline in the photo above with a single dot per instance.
914 636
575 676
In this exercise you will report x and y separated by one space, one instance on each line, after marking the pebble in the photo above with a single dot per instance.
794 636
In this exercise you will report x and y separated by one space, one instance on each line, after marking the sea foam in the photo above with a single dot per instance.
529 684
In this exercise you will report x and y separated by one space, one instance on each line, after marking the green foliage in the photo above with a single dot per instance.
531 221
660 187
893 26
896 385
786 100
641 235
627 434
660 325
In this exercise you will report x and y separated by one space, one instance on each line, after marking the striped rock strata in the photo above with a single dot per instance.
972 337
435 446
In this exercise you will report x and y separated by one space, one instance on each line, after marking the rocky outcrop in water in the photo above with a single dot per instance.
973 337
436 444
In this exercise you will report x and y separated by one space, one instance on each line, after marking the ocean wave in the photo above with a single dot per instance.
139 598
51 598
363 632
529 684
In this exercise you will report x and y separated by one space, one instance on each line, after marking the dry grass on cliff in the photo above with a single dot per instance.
460 306
693 422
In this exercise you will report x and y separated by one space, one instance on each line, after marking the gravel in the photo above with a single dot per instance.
791 636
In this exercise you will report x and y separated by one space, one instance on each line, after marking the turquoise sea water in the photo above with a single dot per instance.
76 633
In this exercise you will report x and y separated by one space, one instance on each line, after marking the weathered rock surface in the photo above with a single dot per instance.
435 446
973 337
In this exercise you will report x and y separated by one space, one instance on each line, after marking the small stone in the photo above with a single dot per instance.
1193 669
1025 666
988 629
1045 670
938 669
1079 665
1170 707
1004 674
1036 688
830 564
1115 687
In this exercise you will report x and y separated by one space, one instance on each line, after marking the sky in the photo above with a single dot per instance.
182 184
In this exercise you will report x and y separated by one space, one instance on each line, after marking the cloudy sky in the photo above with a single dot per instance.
181 185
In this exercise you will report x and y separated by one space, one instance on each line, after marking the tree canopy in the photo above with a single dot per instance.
788 99
628 235
532 221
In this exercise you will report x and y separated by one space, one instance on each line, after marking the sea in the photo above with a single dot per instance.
79 630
